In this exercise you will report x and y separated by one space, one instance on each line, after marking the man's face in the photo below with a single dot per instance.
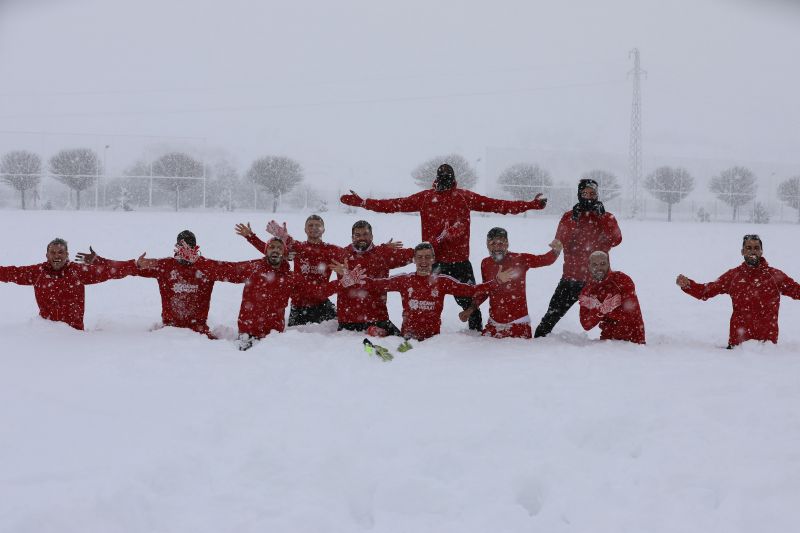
751 251
57 256
275 253
362 238
598 266
314 229
498 247
424 260
589 193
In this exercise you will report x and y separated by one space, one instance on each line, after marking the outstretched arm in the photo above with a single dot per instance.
102 269
611 232
26 275
789 287
704 291
244 230
391 205
478 202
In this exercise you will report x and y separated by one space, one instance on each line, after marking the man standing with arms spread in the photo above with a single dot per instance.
755 289
445 212
583 230
312 260
58 284
508 304
609 299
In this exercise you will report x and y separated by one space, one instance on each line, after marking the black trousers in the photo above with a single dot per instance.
312 315
567 293
462 271
390 328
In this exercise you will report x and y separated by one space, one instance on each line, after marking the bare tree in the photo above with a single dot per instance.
523 181
425 173
22 170
177 172
609 187
76 168
735 186
225 183
789 193
277 174
670 185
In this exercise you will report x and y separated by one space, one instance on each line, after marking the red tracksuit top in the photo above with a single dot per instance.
186 290
591 232
756 296
367 303
266 294
453 207
312 261
508 301
623 323
60 294
423 299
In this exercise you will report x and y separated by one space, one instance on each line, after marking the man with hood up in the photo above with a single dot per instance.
755 289
445 212
587 227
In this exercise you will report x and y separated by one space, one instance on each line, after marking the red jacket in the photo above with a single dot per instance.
449 209
508 302
581 237
266 294
186 290
623 323
423 299
756 296
312 261
362 303
60 294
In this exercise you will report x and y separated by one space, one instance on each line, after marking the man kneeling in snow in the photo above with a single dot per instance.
609 299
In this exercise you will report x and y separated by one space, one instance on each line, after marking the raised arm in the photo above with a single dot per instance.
478 202
536 261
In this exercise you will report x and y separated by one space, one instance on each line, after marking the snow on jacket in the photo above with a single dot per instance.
60 293
756 296
423 299
623 323
362 303
186 290
446 216
311 260
581 237
508 302
266 294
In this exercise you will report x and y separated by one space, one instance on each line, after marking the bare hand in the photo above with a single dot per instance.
503 276
589 302
393 244
556 246
338 267
83 257
276 230
244 230
464 315
610 303
682 281
146 263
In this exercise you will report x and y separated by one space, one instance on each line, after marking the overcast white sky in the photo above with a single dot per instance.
360 90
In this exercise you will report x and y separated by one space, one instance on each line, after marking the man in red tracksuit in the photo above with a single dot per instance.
423 293
445 212
755 289
609 299
508 304
583 230
58 284
312 259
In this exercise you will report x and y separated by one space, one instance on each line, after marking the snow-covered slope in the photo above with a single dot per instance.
120 428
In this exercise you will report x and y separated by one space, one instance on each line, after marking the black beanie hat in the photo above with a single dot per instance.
445 178
587 183
187 237
495 233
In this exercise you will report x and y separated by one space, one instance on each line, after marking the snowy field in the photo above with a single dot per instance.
124 429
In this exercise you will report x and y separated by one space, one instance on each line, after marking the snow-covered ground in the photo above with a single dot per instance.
124 429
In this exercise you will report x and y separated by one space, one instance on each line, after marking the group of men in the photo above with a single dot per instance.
607 298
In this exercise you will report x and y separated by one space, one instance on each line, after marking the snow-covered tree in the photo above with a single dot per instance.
523 181
759 214
225 183
173 169
608 184
76 168
425 173
789 193
670 185
22 170
735 186
277 174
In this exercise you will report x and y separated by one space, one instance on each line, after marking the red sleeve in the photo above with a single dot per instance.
787 285
152 272
536 261
704 291
478 202
396 205
396 257
627 291
26 275
257 243
312 290
564 228
589 317
480 298
391 284
456 288
104 269
611 231
232 272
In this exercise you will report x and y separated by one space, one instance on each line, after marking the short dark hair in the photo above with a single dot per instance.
57 241
424 245
315 217
187 237
361 224
495 233
752 237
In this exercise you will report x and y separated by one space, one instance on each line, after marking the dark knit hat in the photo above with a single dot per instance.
187 237
587 183
445 178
